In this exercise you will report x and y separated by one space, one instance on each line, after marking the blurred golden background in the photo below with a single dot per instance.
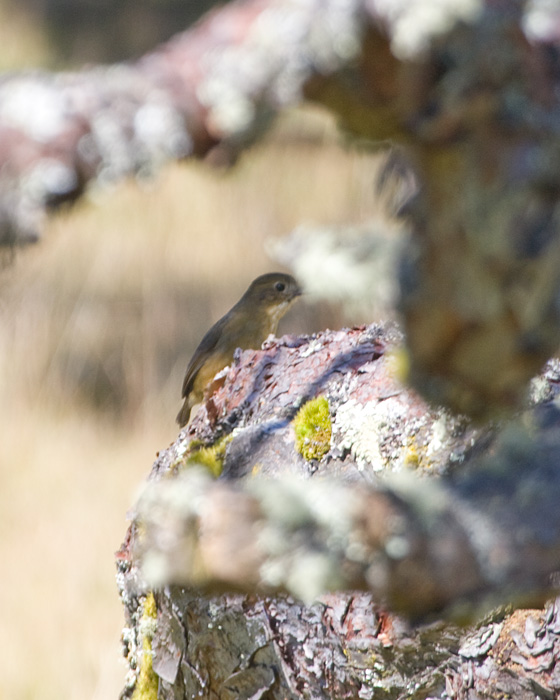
97 323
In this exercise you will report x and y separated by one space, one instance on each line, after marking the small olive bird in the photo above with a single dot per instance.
246 325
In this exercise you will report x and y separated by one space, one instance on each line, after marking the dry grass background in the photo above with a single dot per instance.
97 323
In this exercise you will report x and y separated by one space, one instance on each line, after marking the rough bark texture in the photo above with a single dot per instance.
486 533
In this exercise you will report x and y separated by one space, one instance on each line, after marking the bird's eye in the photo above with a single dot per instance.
280 286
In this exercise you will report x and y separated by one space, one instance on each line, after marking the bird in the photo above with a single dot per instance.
246 325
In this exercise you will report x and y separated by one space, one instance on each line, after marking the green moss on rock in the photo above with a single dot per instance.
313 429
211 457
146 687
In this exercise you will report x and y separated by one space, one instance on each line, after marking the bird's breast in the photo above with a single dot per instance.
275 313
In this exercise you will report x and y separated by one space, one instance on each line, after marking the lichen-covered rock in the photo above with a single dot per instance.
249 425
282 535
375 423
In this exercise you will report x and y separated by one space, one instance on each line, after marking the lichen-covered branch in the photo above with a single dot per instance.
420 545
343 646
418 548
217 84
486 533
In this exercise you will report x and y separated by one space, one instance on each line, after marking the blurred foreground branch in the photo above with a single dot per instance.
213 88
418 545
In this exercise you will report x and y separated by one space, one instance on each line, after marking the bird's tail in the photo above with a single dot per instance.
184 414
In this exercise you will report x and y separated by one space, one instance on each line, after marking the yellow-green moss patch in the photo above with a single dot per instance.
146 687
398 361
313 429
209 456
411 457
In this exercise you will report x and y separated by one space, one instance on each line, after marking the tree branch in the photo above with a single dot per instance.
491 530
487 533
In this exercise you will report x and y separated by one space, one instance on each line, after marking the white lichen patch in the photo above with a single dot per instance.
311 574
147 626
364 429
439 434
414 23
34 105
540 20
287 43
294 560
313 346
160 131
382 435
351 266
166 509
49 176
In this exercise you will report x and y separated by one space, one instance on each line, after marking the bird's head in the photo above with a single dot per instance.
273 293
273 289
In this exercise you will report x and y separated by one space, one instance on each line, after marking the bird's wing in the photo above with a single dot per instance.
206 346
